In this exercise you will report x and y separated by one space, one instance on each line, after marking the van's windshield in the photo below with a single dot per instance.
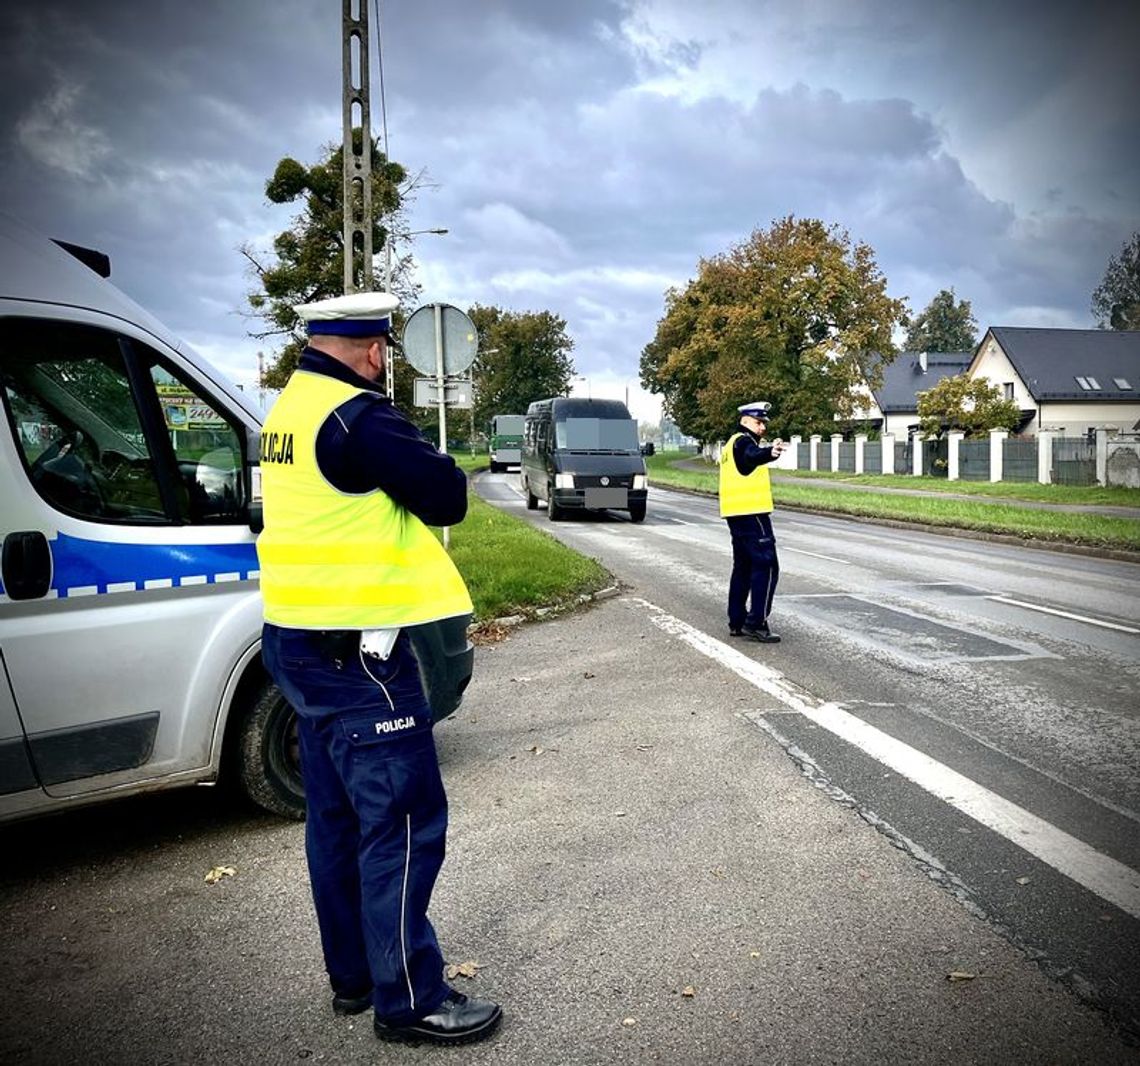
596 434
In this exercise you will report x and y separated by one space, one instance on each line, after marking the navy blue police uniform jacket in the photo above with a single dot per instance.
367 444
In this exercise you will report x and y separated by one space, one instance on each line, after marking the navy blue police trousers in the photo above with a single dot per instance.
376 817
755 570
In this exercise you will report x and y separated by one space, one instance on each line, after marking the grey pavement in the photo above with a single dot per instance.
641 873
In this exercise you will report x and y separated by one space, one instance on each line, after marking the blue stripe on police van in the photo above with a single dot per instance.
83 567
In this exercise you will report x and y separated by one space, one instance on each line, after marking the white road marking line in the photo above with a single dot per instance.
194 579
780 546
83 590
159 583
1063 614
122 586
1107 878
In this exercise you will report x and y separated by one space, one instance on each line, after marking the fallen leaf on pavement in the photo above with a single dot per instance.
960 975
218 872
1024 880
688 991
536 750
587 675
463 969
754 954
629 1022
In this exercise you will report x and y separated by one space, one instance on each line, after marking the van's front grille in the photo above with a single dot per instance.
593 481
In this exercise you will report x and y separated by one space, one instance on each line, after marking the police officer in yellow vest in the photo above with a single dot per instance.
347 561
746 503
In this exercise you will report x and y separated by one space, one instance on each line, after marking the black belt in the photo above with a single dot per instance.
338 643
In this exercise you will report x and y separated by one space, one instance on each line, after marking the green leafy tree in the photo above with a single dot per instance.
945 326
308 258
789 316
1116 300
523 356
973 405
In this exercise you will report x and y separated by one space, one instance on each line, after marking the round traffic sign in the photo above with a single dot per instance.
457 333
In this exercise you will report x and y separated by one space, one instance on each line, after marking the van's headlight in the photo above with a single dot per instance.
563 481
640 481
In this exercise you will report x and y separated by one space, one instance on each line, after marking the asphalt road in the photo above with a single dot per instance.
976 702
661 850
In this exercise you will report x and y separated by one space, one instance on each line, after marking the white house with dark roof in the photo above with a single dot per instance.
893 406
1068 381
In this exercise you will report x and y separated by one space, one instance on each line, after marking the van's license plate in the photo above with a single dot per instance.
596 498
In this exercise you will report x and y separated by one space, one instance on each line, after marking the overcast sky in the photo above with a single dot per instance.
585 155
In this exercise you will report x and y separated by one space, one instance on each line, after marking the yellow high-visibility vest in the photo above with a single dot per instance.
334 560
740 494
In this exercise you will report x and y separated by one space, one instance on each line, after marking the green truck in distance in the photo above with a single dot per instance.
506 441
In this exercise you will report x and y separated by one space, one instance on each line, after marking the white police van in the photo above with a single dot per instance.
130 617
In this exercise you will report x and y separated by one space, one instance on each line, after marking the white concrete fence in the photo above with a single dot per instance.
1117 460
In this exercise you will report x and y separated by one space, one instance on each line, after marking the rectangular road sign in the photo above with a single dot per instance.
457 393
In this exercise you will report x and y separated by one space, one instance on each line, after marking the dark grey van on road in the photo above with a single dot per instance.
583 455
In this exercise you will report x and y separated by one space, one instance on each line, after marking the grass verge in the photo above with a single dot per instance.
980 515
512 568
1010 490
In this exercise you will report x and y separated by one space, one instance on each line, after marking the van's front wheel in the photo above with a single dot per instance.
269 757
637 512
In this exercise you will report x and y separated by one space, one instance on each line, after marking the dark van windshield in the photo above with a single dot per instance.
596 434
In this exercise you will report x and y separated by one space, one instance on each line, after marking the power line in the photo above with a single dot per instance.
380 66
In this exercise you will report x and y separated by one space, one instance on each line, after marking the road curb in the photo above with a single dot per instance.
540 614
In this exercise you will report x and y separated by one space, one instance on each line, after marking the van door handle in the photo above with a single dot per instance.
26 565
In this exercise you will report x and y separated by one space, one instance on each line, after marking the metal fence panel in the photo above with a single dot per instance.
873 457
803 456
935 457
974 460
1019 459
847 455
1074 461
903 461
825 455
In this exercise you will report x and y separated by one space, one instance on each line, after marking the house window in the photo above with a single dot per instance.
1122 383
1007 389
1093 383
1084 383
1089 384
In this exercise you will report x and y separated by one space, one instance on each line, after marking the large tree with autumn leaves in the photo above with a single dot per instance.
790 315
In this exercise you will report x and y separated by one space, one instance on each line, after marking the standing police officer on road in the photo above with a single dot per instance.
746 502
347 561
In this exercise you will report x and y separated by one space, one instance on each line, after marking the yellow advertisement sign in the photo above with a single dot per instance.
184 410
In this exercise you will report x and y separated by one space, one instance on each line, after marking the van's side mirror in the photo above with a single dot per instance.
446 659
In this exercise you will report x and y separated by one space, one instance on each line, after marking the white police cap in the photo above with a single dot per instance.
359 314
757 409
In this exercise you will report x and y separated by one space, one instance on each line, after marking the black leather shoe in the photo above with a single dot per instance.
352 1003
762 634
459 1019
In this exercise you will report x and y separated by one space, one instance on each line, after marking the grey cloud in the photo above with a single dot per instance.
566 184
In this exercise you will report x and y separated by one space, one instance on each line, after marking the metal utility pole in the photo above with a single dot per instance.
357 158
